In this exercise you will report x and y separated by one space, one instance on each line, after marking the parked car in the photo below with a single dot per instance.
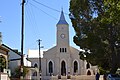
113 77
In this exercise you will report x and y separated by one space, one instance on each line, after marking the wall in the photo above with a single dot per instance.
4 76
13 64
81 77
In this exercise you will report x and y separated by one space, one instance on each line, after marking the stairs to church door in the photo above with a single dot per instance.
76 77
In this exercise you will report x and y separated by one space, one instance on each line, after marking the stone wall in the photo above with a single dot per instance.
4 76
81 77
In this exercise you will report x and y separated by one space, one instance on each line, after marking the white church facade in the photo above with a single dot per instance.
62 59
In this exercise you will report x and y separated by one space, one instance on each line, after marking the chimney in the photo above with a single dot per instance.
0 38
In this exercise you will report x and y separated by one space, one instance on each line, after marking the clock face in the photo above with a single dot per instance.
62 36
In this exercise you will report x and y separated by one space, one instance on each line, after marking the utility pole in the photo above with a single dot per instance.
40 71
22 40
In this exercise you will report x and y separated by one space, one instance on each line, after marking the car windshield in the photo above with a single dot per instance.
115 75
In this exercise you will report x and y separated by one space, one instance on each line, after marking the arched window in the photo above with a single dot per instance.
35 65
65 50
87 66
50 67
35 73
75 66
62 49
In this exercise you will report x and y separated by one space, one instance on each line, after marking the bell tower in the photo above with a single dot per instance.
62 32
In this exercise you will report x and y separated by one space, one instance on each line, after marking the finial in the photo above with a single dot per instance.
62 18
61 8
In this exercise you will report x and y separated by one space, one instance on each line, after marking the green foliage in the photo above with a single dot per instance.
2 63
102 71
17 72
97 27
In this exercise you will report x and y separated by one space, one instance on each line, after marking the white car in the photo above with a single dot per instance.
113 77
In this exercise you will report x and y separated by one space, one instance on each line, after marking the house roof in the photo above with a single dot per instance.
62 19
4 49
11 49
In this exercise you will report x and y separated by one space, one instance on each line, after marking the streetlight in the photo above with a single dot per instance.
40 71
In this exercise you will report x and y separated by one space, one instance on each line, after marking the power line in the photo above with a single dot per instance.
31 19
42 11
46 6
49 7
31 16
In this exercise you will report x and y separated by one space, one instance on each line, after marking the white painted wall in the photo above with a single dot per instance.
13 64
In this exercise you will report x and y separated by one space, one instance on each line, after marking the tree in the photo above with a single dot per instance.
2 63
17 72
97 27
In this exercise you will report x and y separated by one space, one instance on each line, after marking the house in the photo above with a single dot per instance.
15 62
4 71
13 59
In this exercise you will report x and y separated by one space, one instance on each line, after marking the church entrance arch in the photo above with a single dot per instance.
63 68
88 73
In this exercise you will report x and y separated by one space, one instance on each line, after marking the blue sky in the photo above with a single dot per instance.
40 23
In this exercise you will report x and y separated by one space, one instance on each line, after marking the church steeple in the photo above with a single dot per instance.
62 19
62 32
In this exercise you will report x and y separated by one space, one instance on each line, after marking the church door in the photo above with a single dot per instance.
63 68
88 73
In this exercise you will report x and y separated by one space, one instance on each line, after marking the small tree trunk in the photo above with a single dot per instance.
113 51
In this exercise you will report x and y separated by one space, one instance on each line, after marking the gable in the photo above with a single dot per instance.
50 52
4 50
74 52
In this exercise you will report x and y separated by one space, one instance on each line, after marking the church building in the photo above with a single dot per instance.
62 59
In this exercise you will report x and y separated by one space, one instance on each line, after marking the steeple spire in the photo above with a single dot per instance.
62 19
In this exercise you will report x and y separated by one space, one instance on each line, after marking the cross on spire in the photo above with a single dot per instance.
62 19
